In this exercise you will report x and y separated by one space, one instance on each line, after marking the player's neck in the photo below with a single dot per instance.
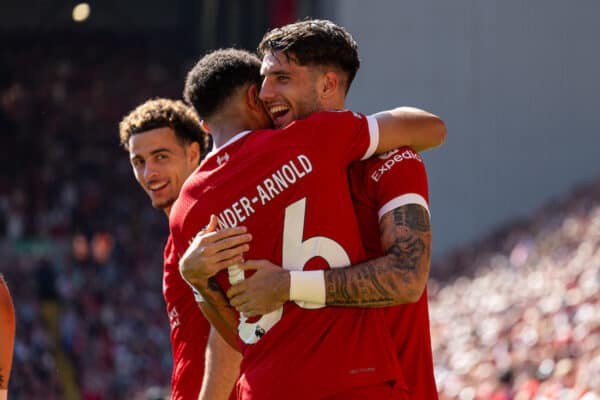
336 103
223 132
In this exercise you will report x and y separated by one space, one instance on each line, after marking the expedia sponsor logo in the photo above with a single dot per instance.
392 158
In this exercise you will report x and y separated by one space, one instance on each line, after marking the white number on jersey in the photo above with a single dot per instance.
295 254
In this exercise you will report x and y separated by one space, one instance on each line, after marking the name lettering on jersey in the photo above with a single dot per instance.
394 157
270 187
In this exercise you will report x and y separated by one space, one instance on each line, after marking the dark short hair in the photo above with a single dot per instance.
217 76
314 42
160 113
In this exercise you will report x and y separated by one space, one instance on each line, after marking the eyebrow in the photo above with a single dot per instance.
153 152
276 73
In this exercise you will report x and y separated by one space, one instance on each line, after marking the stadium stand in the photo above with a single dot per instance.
517 316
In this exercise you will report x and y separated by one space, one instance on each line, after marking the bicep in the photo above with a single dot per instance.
406 238
408 126
406 223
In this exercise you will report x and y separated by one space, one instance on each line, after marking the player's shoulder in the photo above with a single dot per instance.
331 117
344 113
400 159
401 154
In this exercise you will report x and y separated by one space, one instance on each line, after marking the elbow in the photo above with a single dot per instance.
413 294
440 130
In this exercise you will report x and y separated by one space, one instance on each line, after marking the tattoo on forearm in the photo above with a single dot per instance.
394 278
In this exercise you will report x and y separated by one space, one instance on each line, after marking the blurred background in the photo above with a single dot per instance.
515 191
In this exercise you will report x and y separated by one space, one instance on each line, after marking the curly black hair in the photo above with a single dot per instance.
159 113
314 42
217 76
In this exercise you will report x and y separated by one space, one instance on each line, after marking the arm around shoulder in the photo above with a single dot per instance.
409 126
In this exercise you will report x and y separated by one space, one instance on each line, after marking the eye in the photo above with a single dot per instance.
282 78
137 162
161 157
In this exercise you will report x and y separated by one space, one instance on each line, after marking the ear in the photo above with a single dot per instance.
330 85
252 99
193 153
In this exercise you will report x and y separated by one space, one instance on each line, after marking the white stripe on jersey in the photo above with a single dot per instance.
374 137
405 199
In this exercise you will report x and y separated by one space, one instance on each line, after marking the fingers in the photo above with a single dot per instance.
244 306
223 239
212 224
238 242
257 265
234 291
221 265
248 313
227 254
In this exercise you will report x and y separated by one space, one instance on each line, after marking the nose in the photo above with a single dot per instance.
266 90
150 171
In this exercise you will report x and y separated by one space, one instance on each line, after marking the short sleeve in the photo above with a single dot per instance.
397 178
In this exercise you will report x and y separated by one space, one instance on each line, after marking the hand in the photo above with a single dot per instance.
265 291
212 251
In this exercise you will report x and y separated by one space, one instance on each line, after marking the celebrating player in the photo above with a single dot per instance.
165 144
389 193
390 196
290 189
7 336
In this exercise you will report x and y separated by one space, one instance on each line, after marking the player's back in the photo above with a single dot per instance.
289 188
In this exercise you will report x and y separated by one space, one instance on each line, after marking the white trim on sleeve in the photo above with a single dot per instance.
409 198
373 135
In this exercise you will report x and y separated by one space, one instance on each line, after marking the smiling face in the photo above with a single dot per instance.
161 164
289 91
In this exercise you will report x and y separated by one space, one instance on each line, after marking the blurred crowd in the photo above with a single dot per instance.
81 246
515 316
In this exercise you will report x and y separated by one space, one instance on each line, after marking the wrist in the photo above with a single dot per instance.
308 286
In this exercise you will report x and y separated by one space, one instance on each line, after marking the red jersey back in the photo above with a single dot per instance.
379 185
189 330
290 189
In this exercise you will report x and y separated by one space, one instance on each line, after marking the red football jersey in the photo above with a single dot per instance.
290 189
379 185
189 330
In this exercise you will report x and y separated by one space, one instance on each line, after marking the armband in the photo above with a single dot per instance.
308 286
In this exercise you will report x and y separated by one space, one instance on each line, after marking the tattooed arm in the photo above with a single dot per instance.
396 278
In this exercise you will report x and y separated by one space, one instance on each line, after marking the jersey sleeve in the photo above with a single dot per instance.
351 135
397 178
171 261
